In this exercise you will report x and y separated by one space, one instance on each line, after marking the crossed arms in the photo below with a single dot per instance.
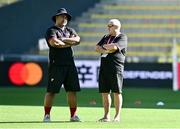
107 48
64 42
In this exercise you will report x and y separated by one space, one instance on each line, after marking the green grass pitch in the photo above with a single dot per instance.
23 108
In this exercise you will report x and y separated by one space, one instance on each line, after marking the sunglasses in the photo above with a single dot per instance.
110 26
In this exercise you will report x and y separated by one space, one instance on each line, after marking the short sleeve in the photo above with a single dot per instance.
50 34
101 42
122 42
72 32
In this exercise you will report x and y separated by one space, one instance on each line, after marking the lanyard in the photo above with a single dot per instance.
109 40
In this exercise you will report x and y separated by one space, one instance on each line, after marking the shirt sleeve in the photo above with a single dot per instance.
122 44
50 34
101 42
72 32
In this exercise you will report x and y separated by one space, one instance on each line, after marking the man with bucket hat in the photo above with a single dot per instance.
61 69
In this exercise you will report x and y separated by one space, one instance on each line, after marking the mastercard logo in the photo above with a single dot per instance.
25 73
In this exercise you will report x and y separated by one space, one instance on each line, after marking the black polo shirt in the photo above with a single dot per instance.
114 62
60 56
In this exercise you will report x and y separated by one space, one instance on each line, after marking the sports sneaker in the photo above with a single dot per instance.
75 119
104 120
47 118
116 120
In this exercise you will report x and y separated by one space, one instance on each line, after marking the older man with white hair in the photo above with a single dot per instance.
113 47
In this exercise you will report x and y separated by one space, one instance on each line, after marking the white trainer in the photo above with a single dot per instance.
47 118
75 119
104 120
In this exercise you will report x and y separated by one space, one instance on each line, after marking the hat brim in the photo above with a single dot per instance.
68 16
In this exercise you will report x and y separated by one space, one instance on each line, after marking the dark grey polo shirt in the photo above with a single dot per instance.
114 61
60 56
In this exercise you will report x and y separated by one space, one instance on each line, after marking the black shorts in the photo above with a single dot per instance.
66 75
110 82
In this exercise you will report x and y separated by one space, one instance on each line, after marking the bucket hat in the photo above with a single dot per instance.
60 12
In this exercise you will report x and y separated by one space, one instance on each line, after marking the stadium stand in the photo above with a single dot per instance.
25 22
7 2
151 26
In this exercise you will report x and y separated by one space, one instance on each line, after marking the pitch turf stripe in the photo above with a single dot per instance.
87 128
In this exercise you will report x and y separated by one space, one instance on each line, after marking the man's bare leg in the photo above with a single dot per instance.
118 105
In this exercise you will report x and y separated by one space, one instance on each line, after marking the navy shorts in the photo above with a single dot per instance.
110 82
62 75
